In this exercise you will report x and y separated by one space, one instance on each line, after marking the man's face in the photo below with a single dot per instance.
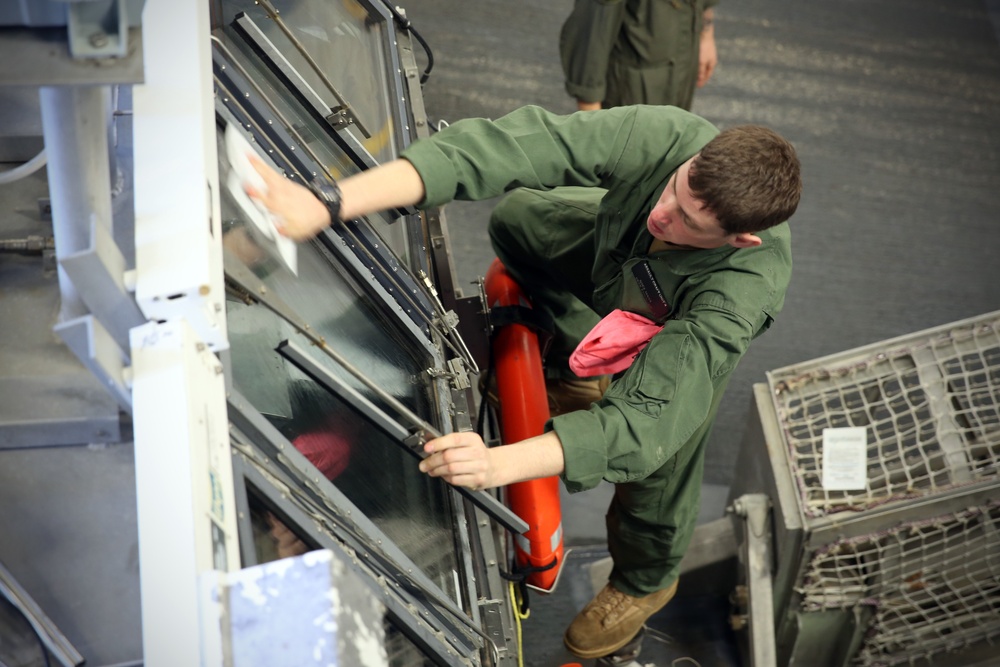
681 220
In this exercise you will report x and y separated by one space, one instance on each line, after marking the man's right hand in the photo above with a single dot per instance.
587 106
300 215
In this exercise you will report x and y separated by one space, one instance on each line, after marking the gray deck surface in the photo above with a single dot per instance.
894 107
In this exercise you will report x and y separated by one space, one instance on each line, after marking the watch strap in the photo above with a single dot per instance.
328 192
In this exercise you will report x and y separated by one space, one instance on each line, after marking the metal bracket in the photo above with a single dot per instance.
456 374
459 376
491 612
100 353
449 319
98 273
416 440
484 304
341 118
99 28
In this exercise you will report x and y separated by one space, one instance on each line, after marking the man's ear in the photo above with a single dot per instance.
744 240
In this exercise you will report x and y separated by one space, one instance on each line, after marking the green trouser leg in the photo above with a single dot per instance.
651 521
546 241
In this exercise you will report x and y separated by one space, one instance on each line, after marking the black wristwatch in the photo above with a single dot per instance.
327 192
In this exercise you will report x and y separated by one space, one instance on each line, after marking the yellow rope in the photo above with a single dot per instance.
515 601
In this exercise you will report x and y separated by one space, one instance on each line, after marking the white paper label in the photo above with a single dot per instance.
845 459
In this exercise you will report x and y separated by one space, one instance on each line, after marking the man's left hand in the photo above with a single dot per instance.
461 459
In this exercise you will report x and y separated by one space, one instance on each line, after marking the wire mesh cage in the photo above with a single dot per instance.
930 405
922 588
903 567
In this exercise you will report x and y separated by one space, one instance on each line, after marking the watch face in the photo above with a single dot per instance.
328 193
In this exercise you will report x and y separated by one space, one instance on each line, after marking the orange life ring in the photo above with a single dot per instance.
524 409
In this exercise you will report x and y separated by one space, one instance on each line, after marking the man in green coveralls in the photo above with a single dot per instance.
620 52
667 218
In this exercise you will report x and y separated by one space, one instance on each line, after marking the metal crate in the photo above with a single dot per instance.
907 569
930 403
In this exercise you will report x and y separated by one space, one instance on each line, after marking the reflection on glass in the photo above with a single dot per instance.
402 651
350 49
365 464
316 136
273 538
373 471
349 323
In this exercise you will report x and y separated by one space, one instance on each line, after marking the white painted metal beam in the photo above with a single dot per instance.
183 463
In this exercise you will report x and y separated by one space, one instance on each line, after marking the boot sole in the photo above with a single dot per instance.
604 651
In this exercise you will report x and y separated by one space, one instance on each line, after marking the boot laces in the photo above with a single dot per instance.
610 605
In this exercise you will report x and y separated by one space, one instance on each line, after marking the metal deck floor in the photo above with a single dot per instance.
893 108
893 105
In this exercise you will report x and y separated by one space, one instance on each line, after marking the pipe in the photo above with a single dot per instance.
75 126
22 170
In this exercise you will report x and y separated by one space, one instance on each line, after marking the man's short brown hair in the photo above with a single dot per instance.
748 177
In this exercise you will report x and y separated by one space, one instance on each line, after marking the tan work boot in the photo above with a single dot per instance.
611 620
567 395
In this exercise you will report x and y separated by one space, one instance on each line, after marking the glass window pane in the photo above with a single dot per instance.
349 46
272 537
314 136
371 469
365 464
402 652
368 467
351 324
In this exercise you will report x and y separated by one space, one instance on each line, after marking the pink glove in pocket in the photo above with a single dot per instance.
611 346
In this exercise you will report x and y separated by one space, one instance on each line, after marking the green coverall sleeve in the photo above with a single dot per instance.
585 45
530 147
663 399
477 159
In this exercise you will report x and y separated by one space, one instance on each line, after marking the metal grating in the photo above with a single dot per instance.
930 405
922 588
